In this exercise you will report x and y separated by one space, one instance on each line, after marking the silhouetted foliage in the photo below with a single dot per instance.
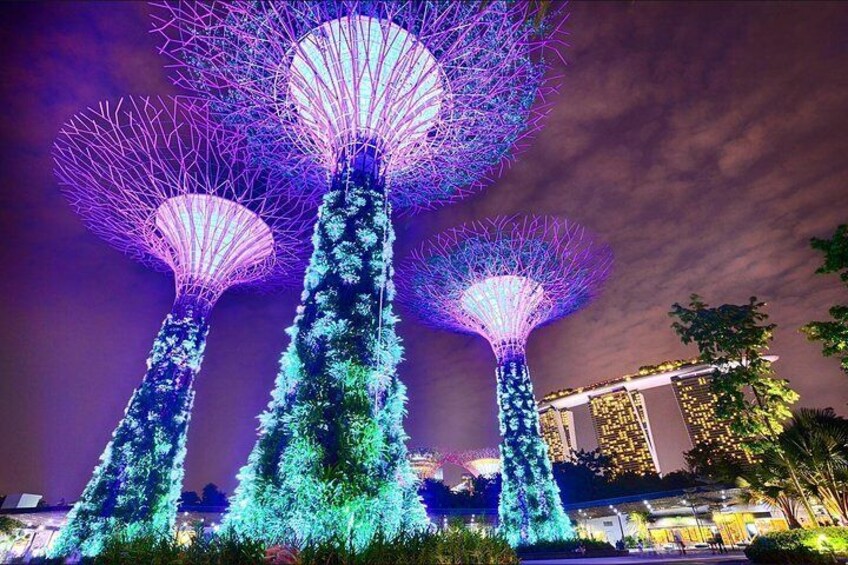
713 465
213 496
833 334
484 494
189 498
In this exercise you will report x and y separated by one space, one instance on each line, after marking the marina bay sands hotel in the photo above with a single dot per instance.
620 418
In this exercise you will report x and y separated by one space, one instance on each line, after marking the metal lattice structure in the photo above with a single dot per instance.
440 91
501 278
426 462
160 181
484 462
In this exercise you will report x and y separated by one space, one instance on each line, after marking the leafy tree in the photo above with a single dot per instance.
484 494
213 496
711 464
833 334
734 338
584 476
189 498
594 461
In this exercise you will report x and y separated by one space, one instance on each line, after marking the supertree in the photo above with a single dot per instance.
426 462
387 104
484 462
158 180
500 279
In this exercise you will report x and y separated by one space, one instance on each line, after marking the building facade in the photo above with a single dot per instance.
557 428
697 404
624 431
620 415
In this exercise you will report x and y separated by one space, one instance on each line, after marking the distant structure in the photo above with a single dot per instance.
502 278
385 105
478 462
624 431
620 415
158 180
558 432
20 500
427 463
697 404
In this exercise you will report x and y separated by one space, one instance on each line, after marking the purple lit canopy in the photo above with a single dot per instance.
440 91
157 179
503 277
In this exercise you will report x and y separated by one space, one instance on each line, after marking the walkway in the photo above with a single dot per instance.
705 559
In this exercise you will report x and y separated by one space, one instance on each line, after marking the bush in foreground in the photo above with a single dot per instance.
219 550
454 546
592 546
800 547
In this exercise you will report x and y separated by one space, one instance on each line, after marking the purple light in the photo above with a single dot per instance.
484 462
358 77
503 277
442 90
211 238
157 179
503 308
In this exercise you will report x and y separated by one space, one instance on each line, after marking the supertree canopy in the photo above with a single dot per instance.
384 104
157 180
484 462
426 462
438 92
500 279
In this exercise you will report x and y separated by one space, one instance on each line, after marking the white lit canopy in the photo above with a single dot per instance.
504 308
359 78
484 467
211 241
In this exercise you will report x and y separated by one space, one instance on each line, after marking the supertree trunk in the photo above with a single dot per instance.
135 488
331 456
530 509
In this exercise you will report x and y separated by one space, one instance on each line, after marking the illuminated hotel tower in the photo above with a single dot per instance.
697 404
620 419
624 432
558 432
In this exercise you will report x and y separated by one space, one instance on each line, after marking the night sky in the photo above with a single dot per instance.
706 143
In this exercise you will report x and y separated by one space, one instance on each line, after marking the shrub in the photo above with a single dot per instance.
454 546
225 549
799 547
9 526
567 546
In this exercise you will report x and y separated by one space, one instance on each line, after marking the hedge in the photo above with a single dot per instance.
816 546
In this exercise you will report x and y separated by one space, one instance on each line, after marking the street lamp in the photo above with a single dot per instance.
620 525
697 522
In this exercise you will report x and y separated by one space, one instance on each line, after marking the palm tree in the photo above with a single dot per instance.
769 484
816 440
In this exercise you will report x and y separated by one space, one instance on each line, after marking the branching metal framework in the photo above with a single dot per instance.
440 90
160 181
426 462
484 462
501 278
381 105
